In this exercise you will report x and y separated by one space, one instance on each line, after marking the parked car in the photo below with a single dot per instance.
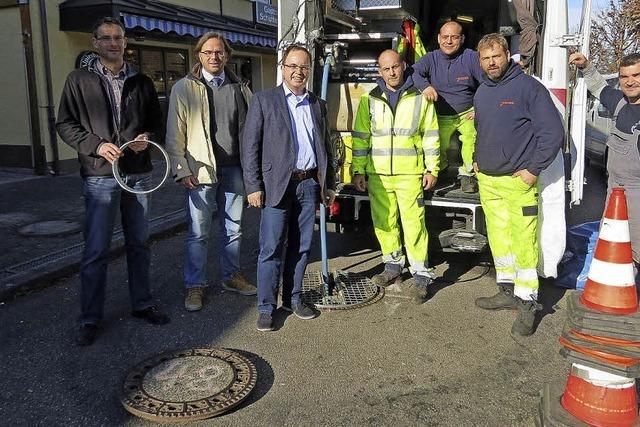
598 127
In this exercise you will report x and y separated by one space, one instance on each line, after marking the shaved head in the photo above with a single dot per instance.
389 55
391 68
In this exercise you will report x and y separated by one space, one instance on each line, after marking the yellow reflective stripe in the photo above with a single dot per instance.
361 135
380 132
395 151
434 132
432 152
360 153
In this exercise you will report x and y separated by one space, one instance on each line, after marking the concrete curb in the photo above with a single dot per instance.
42 272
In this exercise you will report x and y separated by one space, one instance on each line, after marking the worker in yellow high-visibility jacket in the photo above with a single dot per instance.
396 144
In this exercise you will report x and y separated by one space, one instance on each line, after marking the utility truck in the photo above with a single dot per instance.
346 37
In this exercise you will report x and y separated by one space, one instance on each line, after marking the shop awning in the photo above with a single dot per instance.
163 18
185 29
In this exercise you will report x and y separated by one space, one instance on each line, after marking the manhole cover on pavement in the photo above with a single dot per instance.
351 290
188 385
50 228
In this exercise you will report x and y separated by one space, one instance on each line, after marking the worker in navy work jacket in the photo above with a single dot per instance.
519 134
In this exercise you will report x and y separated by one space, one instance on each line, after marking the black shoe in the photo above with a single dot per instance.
420 289
523 325
301 310
387 277
468 184
152 315
503 300
86 334
265 322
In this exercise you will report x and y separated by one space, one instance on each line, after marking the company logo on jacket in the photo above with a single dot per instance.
506 102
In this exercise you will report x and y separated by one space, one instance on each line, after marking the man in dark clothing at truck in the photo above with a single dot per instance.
450 77
519 134
623 163
103 106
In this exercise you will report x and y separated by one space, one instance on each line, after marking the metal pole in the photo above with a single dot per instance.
51 116
323 210
38 159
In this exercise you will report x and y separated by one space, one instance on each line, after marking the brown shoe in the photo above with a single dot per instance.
238 283
193 299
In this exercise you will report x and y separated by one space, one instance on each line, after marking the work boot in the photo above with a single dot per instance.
193 299
468 184
152 315
265 322
238 283
523 325
503 300
390 273
421 288
86 334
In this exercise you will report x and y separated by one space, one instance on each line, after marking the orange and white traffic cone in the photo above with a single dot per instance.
610 286
599 398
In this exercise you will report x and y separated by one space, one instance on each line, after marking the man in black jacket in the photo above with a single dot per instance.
519 134
103 106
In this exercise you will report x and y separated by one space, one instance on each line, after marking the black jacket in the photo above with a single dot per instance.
85 120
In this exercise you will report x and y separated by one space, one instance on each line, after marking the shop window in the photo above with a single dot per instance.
241 66
164 66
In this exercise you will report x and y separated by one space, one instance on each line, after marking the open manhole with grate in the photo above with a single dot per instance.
349 290
188 385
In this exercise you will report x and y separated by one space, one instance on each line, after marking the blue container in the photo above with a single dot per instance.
581 244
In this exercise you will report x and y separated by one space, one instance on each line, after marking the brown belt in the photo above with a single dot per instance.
302 175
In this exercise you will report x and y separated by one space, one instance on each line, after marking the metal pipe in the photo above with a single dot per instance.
38 160
323 210
51 115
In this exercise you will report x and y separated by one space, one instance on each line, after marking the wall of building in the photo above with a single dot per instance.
14 108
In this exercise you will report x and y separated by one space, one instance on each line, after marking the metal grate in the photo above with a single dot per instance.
350 290
348 7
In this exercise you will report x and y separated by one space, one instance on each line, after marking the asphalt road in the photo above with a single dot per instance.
443 363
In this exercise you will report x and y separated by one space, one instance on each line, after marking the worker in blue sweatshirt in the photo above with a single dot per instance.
519 134
450 77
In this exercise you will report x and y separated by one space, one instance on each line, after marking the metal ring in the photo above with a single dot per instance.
120 181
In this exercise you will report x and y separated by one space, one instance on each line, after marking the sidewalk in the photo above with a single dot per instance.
41 226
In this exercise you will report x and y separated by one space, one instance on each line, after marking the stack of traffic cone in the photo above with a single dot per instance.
602 336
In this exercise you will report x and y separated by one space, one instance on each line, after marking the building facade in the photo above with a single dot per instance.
44 40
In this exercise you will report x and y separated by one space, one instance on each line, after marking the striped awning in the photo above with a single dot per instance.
148 23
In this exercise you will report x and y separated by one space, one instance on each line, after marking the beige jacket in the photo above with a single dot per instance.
188 139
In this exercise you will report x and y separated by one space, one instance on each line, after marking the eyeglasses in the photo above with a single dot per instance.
210 53
302 68
454 38
117 39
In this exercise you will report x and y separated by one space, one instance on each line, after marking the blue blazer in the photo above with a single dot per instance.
268 151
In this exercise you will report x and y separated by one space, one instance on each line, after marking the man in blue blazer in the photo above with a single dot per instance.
288 167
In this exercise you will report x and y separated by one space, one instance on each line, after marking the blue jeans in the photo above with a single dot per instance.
103 197
291 221
204 201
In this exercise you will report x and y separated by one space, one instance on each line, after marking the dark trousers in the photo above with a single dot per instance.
103 197
291 221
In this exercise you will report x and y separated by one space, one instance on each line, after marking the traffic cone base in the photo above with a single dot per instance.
599 398
589 321
599 355
610 299
615 342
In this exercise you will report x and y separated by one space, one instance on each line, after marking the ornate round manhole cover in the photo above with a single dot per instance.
50 228
188 385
